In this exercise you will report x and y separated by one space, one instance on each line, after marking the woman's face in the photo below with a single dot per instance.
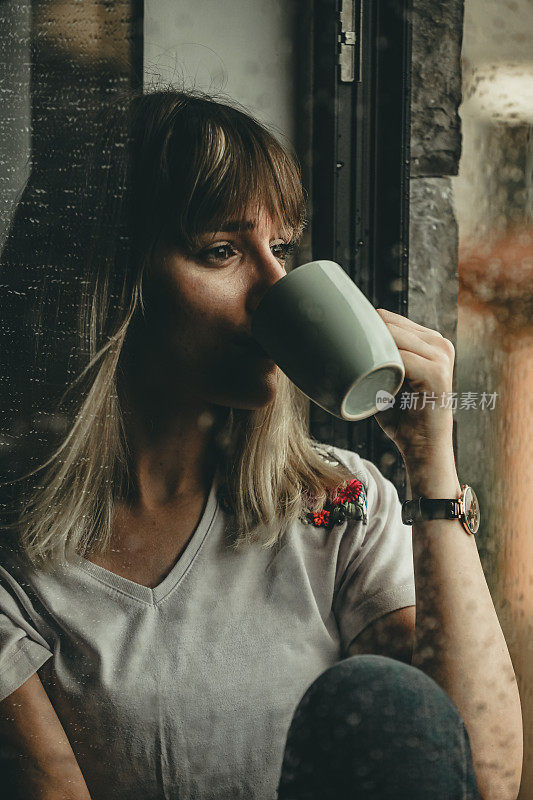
198 346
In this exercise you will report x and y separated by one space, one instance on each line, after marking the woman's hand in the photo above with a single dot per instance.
428 358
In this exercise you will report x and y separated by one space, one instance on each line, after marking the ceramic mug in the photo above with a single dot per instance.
324 334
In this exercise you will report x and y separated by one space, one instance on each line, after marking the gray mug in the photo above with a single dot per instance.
324 334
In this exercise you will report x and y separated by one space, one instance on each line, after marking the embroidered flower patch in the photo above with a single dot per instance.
348 503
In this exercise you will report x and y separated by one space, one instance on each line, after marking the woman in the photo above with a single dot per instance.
177 621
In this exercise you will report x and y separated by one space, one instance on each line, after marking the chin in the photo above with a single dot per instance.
252 395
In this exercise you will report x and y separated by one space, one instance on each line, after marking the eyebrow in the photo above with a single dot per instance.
237 225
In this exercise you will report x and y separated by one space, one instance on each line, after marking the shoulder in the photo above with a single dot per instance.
367 493
365 470
349 458
380 491
22 580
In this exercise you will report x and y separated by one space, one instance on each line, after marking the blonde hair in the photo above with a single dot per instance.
171 163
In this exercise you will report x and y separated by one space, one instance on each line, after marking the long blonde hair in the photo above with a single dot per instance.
170 163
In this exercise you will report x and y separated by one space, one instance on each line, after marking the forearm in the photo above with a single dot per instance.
61 781
36 753
458 639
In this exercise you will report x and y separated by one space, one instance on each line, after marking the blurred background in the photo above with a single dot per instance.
431 212
493 195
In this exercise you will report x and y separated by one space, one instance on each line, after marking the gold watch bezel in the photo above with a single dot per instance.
465 490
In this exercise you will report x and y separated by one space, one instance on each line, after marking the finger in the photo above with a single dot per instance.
422 372
437 342
397 319
412 341
434 338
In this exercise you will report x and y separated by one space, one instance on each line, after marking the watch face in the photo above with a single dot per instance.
471 507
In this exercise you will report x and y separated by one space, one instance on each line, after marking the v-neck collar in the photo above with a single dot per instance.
157 593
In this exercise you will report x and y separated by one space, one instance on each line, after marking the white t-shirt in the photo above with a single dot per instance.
187 690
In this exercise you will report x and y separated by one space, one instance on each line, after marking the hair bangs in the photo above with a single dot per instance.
237 173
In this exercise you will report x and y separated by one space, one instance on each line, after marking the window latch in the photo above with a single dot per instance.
349 42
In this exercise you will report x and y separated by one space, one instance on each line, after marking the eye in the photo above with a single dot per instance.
283 250
222 252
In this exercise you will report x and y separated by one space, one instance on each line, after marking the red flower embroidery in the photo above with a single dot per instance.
321 518
349 494
349 502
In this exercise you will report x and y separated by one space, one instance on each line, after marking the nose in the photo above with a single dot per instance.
265 271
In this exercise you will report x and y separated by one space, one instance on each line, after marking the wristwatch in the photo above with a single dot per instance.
465 509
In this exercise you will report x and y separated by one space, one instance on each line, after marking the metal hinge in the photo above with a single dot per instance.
349 42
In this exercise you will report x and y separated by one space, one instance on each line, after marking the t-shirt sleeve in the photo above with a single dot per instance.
22 648
376 574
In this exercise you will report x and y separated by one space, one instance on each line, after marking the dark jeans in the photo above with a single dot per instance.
372 728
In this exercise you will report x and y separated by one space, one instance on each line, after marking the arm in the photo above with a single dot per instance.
42 761
458 639
391 635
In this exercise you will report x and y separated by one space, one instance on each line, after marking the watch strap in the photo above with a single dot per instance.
424 508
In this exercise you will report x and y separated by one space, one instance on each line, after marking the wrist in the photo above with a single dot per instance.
437 487
420 450
434 476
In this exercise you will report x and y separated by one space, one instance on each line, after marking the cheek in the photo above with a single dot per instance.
196 315
204 305
204 330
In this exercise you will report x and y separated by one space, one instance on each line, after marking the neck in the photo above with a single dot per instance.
173 452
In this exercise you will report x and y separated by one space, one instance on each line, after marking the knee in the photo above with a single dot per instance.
373 722
377 691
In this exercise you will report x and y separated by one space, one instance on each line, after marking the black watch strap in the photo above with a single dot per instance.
465 509
423 508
